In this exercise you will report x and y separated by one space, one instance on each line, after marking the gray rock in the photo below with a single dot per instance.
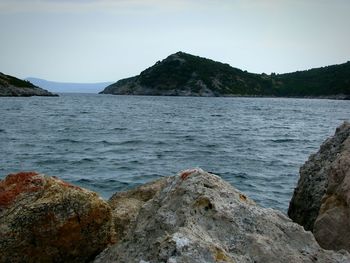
332 225
313 182
198 217
126 205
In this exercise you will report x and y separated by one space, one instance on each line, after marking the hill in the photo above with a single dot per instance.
182 74
54 86
324 81
14 87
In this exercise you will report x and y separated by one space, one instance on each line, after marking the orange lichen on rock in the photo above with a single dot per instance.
20 177
188 172
44 219
15 184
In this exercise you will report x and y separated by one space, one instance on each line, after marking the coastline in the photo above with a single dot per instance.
330 97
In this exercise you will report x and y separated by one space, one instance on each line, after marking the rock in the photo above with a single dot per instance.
43 219
332 225
321 201
198 217
314 175
126 205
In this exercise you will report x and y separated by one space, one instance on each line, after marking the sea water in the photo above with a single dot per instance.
112 143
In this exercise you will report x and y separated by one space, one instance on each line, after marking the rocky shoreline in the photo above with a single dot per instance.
193 216
331 97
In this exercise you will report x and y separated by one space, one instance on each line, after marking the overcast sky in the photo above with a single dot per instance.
106 40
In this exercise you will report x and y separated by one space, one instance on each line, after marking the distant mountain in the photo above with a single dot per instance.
69 87
13 87
182 74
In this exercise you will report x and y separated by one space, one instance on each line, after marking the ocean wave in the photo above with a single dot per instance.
258 145
66 140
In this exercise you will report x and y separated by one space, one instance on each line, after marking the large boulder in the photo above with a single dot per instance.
126 205
332 226
321 200
44 219
198 217
313 181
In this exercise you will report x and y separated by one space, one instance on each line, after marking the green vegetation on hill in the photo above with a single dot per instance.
181 68
325 81
9 80
185 74
19 83
11 86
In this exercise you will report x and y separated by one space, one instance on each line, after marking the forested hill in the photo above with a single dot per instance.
330 80
182 74
14 87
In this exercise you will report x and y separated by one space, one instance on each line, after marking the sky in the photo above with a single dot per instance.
106 40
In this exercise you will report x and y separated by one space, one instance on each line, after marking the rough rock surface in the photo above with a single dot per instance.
14 87
43 219
126 205
332 226
314 177
198 217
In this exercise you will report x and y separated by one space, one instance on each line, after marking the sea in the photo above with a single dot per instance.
109 143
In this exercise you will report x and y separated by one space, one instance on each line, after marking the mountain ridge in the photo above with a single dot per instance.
182 74
70 87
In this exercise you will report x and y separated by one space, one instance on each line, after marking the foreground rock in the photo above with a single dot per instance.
126 205
307 198
14 87
321 201
43 219
198 217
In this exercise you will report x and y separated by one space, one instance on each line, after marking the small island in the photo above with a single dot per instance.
14 87
183 74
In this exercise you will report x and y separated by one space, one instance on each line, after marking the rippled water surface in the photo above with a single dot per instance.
110 143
